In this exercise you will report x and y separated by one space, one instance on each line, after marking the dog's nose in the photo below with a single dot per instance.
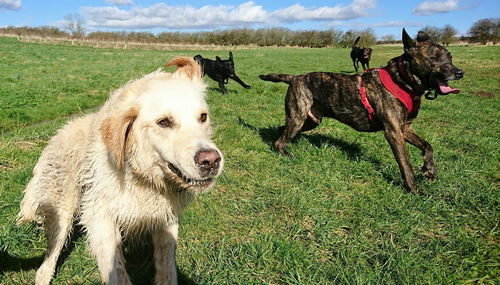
207 159
459 73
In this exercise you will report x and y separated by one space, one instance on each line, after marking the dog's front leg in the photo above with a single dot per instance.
105 243
165 243
429 168
394 135
237 79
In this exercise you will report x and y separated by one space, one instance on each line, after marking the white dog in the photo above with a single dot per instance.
130 168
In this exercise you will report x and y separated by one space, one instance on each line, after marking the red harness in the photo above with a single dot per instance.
409 98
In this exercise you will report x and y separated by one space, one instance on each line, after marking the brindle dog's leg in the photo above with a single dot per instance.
298 102
309 124
395 136
429 168
313 120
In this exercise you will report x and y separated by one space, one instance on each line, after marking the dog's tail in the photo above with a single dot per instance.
356 42
275 77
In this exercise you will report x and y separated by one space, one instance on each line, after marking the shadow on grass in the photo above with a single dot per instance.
270 134
216 90
140 264
353 150
10 263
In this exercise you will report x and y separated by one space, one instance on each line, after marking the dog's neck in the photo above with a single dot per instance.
400 69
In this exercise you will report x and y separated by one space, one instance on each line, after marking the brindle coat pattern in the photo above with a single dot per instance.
323 94
220 70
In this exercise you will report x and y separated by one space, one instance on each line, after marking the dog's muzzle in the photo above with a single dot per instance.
208 162
459 74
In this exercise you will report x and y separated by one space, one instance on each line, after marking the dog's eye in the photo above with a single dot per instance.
164 123
203 117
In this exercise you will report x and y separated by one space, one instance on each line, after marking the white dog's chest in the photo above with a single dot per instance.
133 209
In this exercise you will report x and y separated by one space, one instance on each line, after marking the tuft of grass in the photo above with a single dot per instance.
334 213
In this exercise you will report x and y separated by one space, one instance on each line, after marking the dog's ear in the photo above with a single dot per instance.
423 37
115 130
408 42
186 66
230 56
218 59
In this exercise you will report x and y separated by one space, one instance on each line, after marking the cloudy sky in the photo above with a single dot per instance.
385 17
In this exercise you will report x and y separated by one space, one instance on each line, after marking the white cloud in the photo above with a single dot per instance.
433 7
10 5
360 25
296 12
161 15
120 2
164 16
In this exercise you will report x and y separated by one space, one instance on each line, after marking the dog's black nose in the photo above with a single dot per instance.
459 74
207 159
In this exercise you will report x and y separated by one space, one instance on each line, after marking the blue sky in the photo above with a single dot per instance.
385 17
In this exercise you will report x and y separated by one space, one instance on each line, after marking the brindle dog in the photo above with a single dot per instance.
424 66
360 54
220 70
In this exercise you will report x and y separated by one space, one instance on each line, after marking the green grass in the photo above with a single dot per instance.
336 213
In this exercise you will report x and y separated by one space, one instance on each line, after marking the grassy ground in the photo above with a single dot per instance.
336 213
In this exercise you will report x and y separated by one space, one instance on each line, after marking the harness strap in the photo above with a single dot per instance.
366 103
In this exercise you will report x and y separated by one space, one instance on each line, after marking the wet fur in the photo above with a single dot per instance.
107 171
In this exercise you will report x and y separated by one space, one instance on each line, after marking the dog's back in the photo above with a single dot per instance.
55 177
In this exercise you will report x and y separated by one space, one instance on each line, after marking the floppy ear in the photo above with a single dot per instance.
408 42
186 66
423 37
230 56
114 132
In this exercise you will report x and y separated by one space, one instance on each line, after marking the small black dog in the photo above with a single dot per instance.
220 70
362 55
383 99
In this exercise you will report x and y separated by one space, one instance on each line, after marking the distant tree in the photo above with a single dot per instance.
434 33
485 30
388 39
75 25
448 34
368 38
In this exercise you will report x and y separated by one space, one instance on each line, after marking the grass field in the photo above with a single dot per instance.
336 213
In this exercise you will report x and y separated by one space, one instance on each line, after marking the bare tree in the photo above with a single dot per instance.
448 34
485 30
75 25
433 32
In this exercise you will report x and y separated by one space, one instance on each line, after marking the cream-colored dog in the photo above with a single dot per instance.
130 168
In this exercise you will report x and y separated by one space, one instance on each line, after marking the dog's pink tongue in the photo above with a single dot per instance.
446 89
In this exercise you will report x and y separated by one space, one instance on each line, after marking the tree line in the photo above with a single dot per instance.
482 31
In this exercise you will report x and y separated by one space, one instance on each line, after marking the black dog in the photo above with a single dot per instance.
362 55
380 99
220 70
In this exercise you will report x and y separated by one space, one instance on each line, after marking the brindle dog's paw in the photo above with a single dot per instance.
429 173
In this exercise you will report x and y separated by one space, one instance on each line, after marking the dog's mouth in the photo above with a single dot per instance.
443 88
188 182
